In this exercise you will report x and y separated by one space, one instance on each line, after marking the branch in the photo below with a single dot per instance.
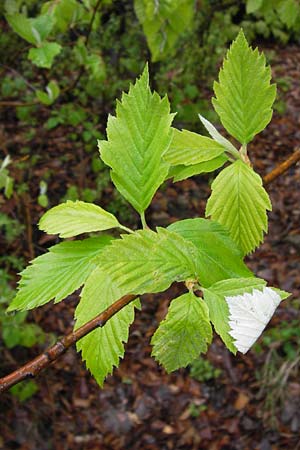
283 167
35 366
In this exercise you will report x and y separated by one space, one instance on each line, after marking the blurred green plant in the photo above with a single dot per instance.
203 370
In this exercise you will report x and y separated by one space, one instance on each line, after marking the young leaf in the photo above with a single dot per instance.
217 255
214 297
182 172
191 148
184 333
34 30
138 137
244 95
216 135
239 202
43 56
73 218
102 348
58 273
146 261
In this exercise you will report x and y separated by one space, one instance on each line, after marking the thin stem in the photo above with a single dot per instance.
143 220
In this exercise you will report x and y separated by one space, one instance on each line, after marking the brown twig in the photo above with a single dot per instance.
34 367
283 167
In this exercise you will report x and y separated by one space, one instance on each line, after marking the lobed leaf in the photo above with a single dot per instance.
239 202
138 137
191 148
73 218
44 55
102 348
58 273
183 334
146 261
244 95
218 257
182 172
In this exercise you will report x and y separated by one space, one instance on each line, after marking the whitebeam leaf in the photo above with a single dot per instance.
191 148
102 348
239 202
249 314
244 95
138 137
73 218
182 172
216 135
58 273
214 297
217 254
146 261
184 333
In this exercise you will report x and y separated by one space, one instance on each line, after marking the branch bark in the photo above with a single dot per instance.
283 167
34 367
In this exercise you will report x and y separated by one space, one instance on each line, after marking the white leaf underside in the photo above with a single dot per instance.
249 314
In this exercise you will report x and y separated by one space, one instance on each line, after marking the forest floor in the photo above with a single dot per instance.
254 400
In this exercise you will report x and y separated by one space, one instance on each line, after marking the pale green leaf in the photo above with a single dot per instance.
44 55
253 5
183 334
244 95
239 202
190 148
214 297
58 273
73 218
33 30
51 94
102 348
218 257
146 261
182 172
138 137
216 135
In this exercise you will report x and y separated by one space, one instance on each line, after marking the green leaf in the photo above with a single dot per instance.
58 273
214 297
288 11
138 137
239 202
43 56
22 26
182 172
244 95
163 21
218 257
51 94
34 31
102 348
184 333
191 148
146 261
73 218
253 5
